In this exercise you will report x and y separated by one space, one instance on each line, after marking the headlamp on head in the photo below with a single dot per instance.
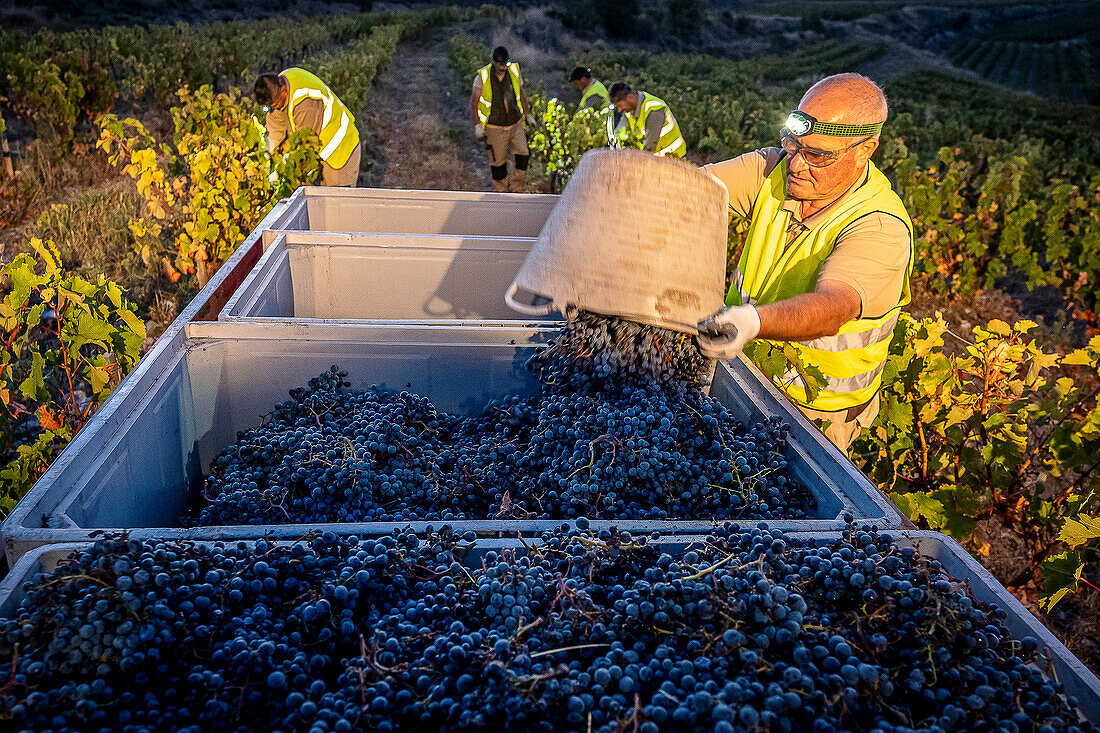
800 124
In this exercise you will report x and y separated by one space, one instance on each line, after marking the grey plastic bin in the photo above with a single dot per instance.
398 211
1069 670
399 278
137 468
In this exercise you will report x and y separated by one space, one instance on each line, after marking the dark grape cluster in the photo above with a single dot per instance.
621 429
746 630
601 354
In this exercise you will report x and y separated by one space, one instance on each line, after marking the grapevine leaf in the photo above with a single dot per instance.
47 419
956 415
132 322
1080 357
767 358
23 280
1076 532
917 505
960 505
51 257
98 377
87 329
1061 574
812 377
33 387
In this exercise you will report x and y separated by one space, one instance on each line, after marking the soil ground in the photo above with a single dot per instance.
419 128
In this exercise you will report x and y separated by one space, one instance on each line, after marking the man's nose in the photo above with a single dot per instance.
796 162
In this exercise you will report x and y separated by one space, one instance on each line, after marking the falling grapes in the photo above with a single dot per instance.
621 429
745 630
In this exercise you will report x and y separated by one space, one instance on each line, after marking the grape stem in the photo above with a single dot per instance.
567 649
712 568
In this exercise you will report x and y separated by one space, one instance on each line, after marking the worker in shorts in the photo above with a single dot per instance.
498 105
828 254
297 100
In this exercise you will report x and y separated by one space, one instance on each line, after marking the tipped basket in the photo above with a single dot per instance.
634 235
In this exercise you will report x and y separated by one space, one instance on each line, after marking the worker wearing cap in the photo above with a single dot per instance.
498 105
593 92
297 100
646 118
828 255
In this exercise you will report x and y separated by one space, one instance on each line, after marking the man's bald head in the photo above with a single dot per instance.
849 98
821 166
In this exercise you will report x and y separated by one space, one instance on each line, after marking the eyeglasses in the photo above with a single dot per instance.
814 158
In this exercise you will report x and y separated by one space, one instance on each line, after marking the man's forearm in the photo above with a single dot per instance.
805 317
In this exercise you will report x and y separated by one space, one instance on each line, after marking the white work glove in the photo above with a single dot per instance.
723 335
479 131
531 120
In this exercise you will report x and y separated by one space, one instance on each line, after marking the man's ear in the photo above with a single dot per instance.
866 150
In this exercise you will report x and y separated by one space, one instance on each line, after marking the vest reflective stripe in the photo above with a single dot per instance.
670 142
596 88
851 340
485 103
770 270
338 133
334 143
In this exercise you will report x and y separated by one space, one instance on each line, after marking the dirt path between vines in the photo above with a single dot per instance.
421 136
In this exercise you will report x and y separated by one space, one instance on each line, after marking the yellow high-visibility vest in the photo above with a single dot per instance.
597 89
485 103
671 141
338 133
770 270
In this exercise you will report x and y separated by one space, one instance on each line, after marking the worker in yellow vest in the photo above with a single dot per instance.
646 118
593 92
828 256
498 104
297 100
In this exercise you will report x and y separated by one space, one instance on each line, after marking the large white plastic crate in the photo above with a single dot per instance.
1078 680
137 464
399 211
323 278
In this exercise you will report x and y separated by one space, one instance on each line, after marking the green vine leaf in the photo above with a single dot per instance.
1076 532
1061 575
917 506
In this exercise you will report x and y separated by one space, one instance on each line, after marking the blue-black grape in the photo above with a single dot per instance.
746 630
621 429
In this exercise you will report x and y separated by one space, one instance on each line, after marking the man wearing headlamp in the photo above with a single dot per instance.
829 250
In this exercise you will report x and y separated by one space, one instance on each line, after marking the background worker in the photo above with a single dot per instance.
498 105
829 250
647 118
297 100
593 92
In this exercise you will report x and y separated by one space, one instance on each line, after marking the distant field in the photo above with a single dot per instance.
1055 55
